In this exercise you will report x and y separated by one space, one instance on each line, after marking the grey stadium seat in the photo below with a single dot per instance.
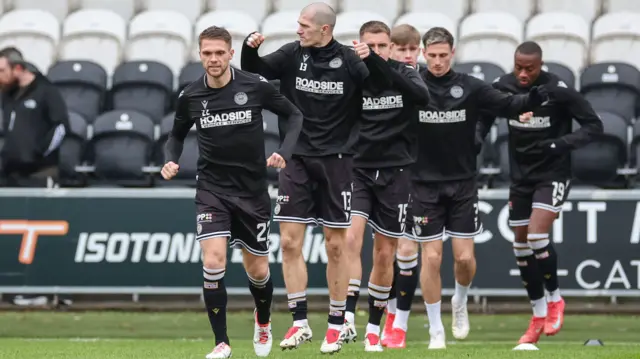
612 87
83 85
271 141
598 162
188 160
563 72
189 73
121 146
71 153
143 86
484 71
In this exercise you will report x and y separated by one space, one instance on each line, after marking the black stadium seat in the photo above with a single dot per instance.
484 71
71 153
188 160
143 86
121 148
83 85
612 87
598 162
189 73
563 72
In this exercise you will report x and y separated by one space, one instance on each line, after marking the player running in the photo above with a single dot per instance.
381 187
324 79
445 195
539 158
232 198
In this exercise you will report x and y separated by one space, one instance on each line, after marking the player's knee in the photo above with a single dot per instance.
214 259
383 257
407 248
354 243
259 271
291 246
464 258
334 247
432 259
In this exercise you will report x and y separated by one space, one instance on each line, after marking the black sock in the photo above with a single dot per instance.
353 295
378 298
262 291
394 285
215 299
407 281
547 259
298 305
529 271
336 311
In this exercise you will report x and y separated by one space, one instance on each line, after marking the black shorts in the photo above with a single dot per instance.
523 197
408 228
244 220
316 190
382 197
449 208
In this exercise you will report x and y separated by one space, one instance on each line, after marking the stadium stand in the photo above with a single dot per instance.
120 65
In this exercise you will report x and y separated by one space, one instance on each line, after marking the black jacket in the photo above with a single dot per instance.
35 120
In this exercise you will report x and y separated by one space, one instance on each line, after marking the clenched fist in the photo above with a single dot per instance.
276 161
255 40
169 170
525 117
361 49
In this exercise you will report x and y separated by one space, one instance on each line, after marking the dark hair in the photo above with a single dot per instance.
215 33
405 34
13 56
374 27
437 35
529 48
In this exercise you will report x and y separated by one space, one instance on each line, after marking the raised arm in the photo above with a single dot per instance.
501 104
271 66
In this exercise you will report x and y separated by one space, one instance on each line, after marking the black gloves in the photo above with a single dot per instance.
538 95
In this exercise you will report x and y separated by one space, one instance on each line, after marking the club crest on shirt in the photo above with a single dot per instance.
240 98
335 63
456 91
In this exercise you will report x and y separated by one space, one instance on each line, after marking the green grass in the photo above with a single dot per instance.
106 335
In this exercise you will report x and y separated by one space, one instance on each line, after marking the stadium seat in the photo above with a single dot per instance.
238 24
279 29
390 8
587 9
143 86
622 6
563 72
34 32
598 162
271 141
484 71
160 35
83 86
348 25
492 36
453 9
57 8
188 160
191 72
71 153
612 87
257 9
522 10
616 38
563 36
94 35
297 5
121 148
124 8
635 146
189 8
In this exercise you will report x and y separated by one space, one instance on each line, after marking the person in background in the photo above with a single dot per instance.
35 121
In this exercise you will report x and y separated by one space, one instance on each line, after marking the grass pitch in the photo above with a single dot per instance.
107 335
